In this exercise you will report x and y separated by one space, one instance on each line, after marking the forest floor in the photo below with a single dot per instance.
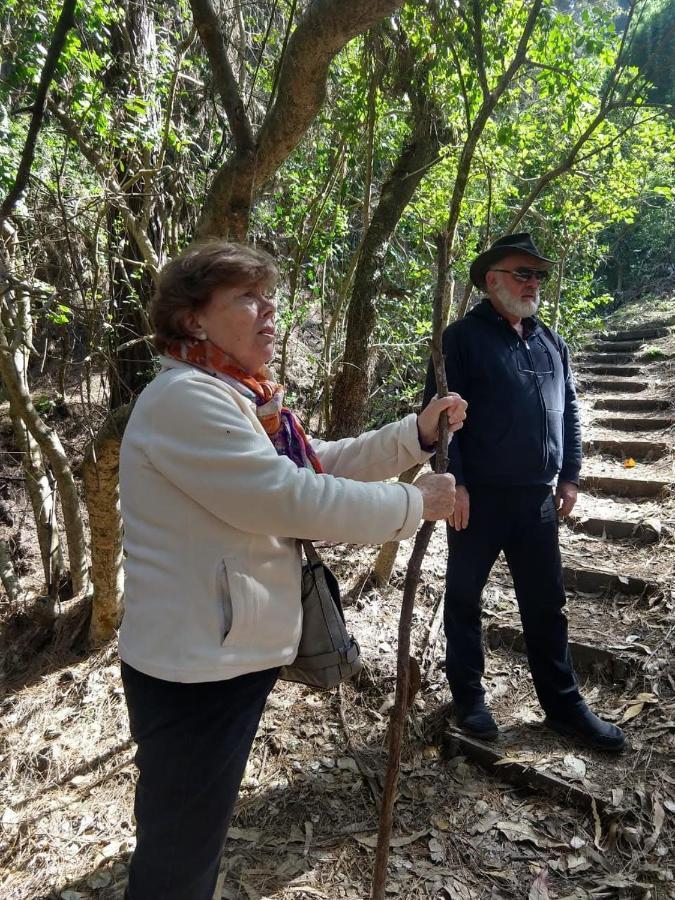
531 816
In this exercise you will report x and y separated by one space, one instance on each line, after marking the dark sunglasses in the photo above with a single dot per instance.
523 274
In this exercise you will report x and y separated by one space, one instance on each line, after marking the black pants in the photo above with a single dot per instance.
523 523
193 744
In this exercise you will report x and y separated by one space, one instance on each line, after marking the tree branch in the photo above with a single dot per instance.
208 25
412 578
487 108
462 85
65 22
107 175
480 49
321 33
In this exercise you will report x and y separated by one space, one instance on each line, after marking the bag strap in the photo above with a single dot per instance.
552 338
311 555
318 568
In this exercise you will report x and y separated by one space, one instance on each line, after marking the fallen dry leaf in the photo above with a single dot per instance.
634 710
598 824
436 850
574 766
370 840
658 818
244 834
522 831
539 887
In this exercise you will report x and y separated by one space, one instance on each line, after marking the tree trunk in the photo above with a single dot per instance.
51 447
19 324
134 46
43 504
100 471
352 386
384 564
324 29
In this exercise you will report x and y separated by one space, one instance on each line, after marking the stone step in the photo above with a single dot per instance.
619 371
634 334
618 359
616 529
615 346
622 487
626 449
599 581
614 384
635 423
504 765
589 659
631 404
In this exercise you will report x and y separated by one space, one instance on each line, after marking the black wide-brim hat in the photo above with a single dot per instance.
503 246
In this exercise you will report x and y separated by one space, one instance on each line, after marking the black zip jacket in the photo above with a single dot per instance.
522 424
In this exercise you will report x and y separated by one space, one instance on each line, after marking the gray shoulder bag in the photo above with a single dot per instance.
327 654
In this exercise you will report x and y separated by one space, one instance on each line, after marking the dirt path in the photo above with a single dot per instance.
532 816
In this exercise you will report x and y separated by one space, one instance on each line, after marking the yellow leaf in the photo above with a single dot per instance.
632 711
629 463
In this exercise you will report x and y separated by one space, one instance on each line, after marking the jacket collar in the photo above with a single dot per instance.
486 311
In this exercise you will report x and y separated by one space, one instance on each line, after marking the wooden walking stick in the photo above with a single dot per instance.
397 721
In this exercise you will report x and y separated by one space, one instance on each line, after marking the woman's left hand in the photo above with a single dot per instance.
427 421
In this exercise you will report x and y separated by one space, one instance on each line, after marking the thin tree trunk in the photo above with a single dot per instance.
43 504
352 386
397 721
555 318
40 491
384 564
490 100
8 577
65 22
131 363
50 445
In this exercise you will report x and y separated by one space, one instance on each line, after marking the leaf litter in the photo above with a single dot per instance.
306 819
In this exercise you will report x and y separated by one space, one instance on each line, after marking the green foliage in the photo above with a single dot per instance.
153 118
652 49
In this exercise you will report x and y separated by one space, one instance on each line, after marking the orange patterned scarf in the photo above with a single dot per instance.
280 424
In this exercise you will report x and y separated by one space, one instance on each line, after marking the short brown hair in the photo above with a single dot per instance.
187 282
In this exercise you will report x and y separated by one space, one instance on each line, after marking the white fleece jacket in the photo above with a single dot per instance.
211 517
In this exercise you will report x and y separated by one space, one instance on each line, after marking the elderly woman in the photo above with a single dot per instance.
217 482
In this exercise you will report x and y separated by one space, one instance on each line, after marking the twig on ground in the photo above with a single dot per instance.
364 769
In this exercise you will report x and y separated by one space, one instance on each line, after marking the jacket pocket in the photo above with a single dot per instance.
241 596
225 598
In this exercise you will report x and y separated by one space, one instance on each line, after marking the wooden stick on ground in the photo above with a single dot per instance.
397 722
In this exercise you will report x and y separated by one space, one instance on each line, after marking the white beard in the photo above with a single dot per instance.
515 305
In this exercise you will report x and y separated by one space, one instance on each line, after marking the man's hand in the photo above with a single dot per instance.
565 498
438 496
460 517
427 420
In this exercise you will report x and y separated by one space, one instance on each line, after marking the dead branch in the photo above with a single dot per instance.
412 578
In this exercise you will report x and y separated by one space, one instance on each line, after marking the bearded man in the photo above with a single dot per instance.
516 463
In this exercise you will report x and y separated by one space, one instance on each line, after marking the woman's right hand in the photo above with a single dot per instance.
438 495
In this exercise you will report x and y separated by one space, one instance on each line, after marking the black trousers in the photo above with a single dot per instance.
193 744
523 523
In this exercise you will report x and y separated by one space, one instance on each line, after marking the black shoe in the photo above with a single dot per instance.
586 727
476 720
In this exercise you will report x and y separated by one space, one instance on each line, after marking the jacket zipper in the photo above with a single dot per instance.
542 406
